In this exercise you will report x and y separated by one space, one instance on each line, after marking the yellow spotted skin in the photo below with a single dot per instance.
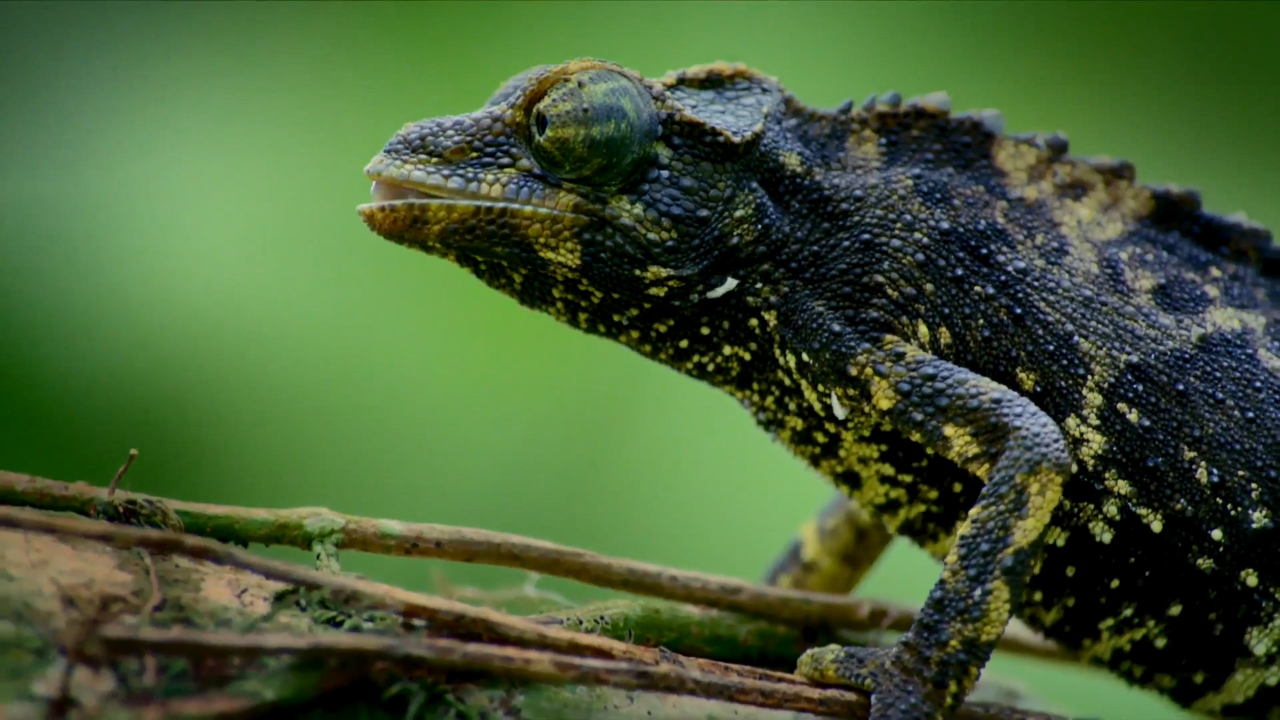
1063 384
832 551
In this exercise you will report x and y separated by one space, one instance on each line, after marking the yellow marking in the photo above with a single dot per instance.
1089 443
1250 675
1026 379
994 619
1108 642
1101 531
1116 484
1234 319
962 449
883 395
1131 414
1098 208
655 272
821 665
1259 517
922 331
941 546
1269 360
1056 536
862 150
1202 473
1044 488
556 245
944 337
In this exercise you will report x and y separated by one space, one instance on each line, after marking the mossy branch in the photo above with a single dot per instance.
305 527
674 650
706 680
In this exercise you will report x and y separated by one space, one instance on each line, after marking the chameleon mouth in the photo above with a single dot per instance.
387 194
383 192
452 219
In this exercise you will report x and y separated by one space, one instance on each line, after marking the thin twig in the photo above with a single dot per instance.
299 527
782 692
528 591
111 489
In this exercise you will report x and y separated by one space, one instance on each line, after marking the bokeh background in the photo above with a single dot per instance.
182 269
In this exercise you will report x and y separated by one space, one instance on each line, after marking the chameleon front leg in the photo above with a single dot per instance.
832 551
1020 455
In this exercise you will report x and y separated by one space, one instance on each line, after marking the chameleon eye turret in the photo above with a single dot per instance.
594 127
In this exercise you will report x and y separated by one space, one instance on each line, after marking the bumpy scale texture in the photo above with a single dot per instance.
1061 383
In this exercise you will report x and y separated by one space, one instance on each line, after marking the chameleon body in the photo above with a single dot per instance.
1063 384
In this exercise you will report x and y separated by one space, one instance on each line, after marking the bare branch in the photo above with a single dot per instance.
781 692
465 619
301 527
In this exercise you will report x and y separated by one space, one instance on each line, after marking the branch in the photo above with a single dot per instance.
700 632
550 655
776 691
303 527
782 692
476 621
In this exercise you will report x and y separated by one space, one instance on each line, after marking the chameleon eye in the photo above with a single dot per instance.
594 128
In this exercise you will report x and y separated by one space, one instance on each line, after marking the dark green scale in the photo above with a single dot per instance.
1062 383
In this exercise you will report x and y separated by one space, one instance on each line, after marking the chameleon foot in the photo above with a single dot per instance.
897 692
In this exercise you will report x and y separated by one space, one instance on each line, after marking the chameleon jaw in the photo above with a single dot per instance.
449 222
383 191
387 193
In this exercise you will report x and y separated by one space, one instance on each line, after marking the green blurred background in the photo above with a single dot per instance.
182 269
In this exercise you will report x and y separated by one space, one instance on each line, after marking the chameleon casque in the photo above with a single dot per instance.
1061 383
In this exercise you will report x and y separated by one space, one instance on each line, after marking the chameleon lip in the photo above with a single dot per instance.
387 192
383 191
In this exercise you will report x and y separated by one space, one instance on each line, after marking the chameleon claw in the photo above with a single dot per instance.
896 691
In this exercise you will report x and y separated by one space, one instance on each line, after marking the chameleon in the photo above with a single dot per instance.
1061 383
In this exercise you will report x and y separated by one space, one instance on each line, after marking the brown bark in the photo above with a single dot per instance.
107 619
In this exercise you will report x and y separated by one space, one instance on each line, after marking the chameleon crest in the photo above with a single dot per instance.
1062 383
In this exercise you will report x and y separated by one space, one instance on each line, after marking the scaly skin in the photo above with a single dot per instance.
1063 384
832 551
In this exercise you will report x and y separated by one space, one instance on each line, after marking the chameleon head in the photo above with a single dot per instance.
585 191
